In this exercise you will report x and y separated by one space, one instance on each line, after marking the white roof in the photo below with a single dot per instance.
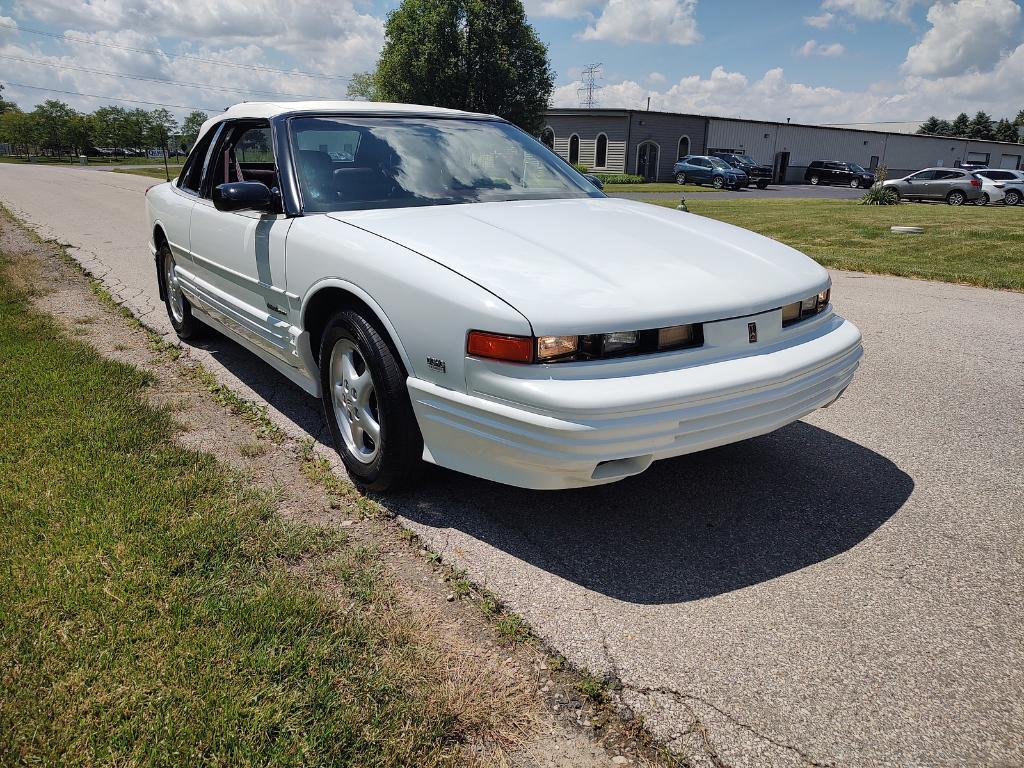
269 109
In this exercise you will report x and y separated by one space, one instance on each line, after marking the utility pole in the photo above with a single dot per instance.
587 92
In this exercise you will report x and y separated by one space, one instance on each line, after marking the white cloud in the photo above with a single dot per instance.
874 10
821 21
656 77
646 21
964 35
814 48
562 9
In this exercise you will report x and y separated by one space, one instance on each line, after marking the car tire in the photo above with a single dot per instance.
956 197
179 310
855 184
680 178
718 182
1013 197
762 185
366 404
814 180
985 199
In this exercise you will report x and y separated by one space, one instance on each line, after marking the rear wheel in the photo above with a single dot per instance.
680 178
985 199
814 180
762 185
956 197
367 405
1013 197
855 183
718 182
179 310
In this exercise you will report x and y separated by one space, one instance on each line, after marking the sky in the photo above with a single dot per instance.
815 61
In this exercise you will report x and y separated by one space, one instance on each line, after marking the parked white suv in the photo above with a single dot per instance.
455 292
1009 183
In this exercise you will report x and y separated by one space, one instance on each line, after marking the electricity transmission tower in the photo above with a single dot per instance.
587 92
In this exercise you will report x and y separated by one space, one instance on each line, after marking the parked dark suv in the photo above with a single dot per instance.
836 172
704 169
761 175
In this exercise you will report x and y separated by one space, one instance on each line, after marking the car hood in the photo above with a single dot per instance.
601 264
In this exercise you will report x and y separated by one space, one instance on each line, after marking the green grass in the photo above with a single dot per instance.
155 173
656 187
150 610
972 244
66 160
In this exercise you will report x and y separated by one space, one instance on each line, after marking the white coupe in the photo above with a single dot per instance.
457 293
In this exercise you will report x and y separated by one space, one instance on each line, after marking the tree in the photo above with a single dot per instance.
479 55
79 132
930 126
944 128
20 129
363 86
110 127
53 119
137 127
162 126
981 127
190 127
4 104
1005 131
960 126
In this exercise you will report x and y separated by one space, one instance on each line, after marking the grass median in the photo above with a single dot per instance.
981 246
154 173
155 609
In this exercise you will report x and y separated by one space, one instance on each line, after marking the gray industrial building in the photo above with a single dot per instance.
649 143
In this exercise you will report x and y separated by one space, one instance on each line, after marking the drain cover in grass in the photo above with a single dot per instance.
907 230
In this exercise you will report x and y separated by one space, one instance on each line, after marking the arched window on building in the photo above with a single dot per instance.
574 149
684 147
601 153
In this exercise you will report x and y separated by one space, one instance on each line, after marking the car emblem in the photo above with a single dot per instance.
752 332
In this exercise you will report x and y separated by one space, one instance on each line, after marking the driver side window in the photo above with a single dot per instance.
244 153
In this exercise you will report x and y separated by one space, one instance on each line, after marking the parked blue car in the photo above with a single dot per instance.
704 169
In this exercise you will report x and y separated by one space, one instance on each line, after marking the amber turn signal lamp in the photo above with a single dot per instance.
496 346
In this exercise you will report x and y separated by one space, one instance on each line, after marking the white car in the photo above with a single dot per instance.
991 191
456 293
1009 182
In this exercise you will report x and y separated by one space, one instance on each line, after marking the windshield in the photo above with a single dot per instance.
357 163
857 168
745 159
718 163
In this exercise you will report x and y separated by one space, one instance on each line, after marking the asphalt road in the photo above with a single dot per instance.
847 590
773 192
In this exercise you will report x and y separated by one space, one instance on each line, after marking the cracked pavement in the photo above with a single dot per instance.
846 591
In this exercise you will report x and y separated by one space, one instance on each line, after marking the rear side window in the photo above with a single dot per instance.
192 173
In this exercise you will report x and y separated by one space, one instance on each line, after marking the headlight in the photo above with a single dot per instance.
550 347
809 307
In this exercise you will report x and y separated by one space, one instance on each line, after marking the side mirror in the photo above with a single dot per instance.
594 180
243 196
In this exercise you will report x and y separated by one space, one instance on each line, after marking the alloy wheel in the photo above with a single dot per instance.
355 401
175 298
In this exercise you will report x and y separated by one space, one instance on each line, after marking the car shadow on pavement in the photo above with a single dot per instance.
688 528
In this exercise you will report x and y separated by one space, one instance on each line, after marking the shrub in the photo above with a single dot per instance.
620 178
581 168
879 195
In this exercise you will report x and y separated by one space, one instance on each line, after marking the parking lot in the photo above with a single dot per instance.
844 591
773 192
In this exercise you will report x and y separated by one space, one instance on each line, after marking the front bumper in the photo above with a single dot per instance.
567 433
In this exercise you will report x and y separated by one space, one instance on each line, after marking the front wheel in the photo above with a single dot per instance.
1013 197
367 405
718 182
179 310
956 197
680 178
985 199
762 185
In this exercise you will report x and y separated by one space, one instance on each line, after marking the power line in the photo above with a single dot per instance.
114 98
155 79
158 52
587 92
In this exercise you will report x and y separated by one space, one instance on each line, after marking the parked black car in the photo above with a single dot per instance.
761 175
836 172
